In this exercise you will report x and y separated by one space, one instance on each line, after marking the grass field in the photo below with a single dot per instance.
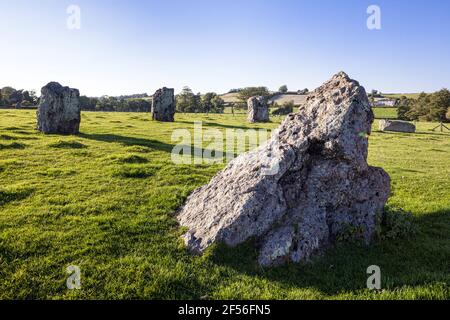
105 200
385 113
399 95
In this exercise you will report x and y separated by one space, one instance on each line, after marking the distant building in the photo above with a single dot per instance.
384 102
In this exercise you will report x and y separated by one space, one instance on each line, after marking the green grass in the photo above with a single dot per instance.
105 200
385 113
399 95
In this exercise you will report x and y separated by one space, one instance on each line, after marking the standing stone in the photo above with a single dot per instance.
296 194
163 108
258 111
59 110
397 126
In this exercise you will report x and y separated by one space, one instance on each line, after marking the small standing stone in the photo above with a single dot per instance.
397 126
59 110
163 108
258 111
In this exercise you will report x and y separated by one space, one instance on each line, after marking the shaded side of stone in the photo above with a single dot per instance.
163 106
59 110
258 111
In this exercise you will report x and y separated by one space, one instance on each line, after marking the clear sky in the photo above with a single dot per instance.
126 47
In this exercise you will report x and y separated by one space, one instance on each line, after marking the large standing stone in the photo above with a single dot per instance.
309 184
258 111
59 110
163 107
397 126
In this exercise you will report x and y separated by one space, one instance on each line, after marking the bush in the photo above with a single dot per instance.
287 108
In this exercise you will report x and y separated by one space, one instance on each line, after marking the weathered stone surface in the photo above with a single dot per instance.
302 189
258 111
163 107
397 126
59 110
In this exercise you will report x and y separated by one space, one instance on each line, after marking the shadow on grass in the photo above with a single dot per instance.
67 145
8 196
419 133
130 172
128 141
141 142
12 146
221 125
7 137
420 259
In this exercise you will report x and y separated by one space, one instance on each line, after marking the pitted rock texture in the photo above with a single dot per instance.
397 126
258 111
295 195
163 107
59 110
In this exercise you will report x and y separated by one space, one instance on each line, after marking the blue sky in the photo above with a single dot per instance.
126 47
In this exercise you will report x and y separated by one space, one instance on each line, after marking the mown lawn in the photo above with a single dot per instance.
105 200
385 113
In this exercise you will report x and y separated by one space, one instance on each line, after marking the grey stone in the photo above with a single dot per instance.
59 110
296 194
258 111
397 126
163 106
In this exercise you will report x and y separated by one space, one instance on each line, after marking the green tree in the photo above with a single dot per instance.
283 89
247 93
212 103
440 102
206 101
186 100
137 105
403 107
7 93
428 107
418 107
218 104
87 103
197 106
106 104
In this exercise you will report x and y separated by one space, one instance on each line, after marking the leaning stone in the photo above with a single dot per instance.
59 110
397 126
258 111
298 193
163 107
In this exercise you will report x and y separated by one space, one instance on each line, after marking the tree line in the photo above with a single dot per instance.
115 104
427 107
10 97
188 102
